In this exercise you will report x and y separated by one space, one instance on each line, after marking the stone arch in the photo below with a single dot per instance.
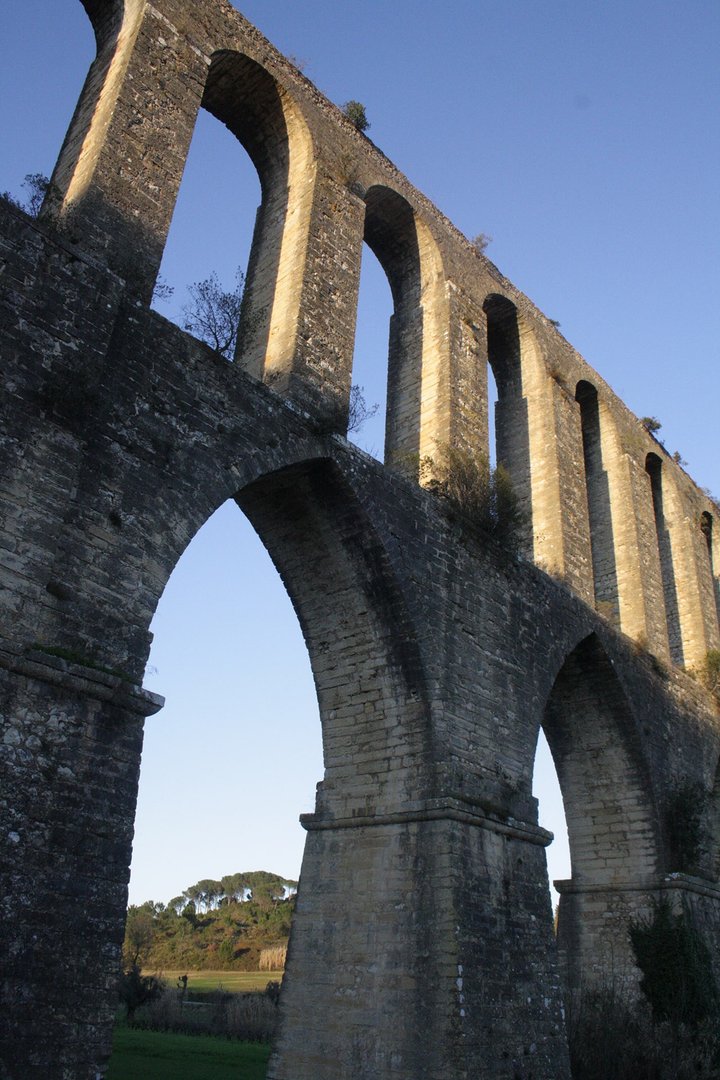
524 429
243 96
597 488
375 729
654 470
418 365
712 545
612 821
342 587
512 438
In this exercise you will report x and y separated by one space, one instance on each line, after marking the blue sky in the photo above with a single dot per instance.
584 138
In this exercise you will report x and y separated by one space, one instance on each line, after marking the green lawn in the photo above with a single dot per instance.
236 982
157 1055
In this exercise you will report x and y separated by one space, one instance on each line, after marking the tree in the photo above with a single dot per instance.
37 186
650 423
213 315
139 934
355 112
480 242
136 989
482 496
359 410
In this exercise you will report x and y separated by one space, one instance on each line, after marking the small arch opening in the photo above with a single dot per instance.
492 398
706 527
204 264
602 541
612 826
369 370
551 816
247 101
511 436
391 234
653 468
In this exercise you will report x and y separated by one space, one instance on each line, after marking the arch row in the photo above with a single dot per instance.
630 539
637 830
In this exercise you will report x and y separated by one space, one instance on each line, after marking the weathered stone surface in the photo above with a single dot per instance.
437 654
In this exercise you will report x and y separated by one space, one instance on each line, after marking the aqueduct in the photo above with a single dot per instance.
437 653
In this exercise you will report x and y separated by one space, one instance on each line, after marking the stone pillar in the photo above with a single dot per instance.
469 414
694 613
626 528
593 941
420 950
574 494
71 743
123 157
317 371
656 630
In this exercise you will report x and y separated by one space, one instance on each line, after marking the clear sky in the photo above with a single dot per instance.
584 137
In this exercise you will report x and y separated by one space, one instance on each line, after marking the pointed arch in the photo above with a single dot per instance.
612 820
418 365
263 117
712 545
602 541
654 470
525 430
349 605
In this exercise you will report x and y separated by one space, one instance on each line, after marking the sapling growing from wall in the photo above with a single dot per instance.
483 496
480 242
37 186
359 411
213 314
355 112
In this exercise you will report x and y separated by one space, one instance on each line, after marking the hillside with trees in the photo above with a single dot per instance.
239 923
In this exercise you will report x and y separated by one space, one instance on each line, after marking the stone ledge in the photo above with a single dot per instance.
685 882
433 810
79 678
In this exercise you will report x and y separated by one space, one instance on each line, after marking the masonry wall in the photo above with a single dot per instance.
438 653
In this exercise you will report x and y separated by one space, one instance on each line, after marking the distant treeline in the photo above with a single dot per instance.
226 925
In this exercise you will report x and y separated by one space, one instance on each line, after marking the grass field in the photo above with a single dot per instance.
236 982
157 1055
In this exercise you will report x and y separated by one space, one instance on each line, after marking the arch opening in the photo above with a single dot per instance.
706 527
602 541
417 412
235 754
512 437
266 123
551 816
653 468
611 819
204 264
369 374
366 684
492 399
391 234
346 612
